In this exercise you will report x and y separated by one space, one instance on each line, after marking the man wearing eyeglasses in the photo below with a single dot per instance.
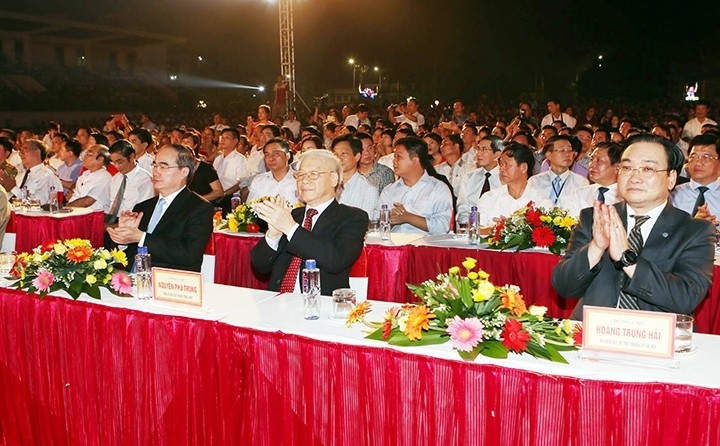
482 180
642 254
324 230
278 180
701 196
558 180
175 225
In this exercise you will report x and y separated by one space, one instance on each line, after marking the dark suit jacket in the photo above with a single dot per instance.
182 234
673 272
335 242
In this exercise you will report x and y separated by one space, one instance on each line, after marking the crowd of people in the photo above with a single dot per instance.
428 172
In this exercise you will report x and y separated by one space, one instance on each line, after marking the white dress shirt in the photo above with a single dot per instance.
429 198
499 203
470 190
456 172
359 193
232 169
146 161
265 184
138 188
584 197
569 181
693 128
95 185
38 183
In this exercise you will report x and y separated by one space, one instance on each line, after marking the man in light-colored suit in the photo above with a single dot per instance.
671 269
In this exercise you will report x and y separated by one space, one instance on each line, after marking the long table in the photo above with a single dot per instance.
391 266
249 370
36 228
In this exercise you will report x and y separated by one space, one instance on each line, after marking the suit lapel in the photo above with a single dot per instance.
660 232
174 211
326 218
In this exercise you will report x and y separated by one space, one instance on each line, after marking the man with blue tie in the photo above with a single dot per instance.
701 196
642 253
175 225
559 180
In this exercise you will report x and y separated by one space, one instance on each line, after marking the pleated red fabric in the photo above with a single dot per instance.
34 230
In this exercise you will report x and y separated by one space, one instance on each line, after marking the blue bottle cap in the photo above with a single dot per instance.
473 209
310 264
142 250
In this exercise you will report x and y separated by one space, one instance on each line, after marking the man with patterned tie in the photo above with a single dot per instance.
701 196
324 230
175 225
644 253
482 180
603 172
131 185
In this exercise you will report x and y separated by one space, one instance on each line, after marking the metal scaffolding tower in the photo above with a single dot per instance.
287 49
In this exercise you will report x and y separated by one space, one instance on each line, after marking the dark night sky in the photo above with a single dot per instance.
451 48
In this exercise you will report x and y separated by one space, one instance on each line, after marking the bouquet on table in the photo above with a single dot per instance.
243 218
530 227
476 316
71 265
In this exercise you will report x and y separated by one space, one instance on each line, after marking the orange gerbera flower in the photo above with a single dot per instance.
418 320
79 254
513 301
358 313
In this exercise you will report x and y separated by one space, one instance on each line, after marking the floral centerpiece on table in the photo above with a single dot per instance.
71 265
476 316
530 227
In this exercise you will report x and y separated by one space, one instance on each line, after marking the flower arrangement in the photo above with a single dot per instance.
530 227
244 218
476 316
71 265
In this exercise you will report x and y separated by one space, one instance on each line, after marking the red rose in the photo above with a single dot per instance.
514 338
543 236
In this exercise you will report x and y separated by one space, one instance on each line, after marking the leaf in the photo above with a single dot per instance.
472 354
554 355
377 335
93 292
494 349
429 338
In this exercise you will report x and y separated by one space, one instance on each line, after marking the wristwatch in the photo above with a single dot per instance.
628 257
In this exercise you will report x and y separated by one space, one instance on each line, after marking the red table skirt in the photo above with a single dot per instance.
101 375
34 230
232 261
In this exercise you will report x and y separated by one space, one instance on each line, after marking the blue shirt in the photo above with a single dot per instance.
685 195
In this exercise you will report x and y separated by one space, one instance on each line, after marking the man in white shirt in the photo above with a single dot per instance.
292 123
602 171
356 190
694 126
554 114
360 117
131 185
418 203
482 180
231 165
93 187
455 166
256 157
37 178
558 180
141 140
469 136
278 180
516 164
411 115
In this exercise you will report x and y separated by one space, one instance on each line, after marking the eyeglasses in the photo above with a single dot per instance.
485 149
275 154
162 167
644 171
562 151
698 158
312 175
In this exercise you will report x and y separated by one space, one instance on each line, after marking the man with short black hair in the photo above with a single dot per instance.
482 180
377 174
278 180
360 117
93 186
410 114
141 140
356 190
131 185
37 178
558 180
231 166
643 253
700 197
554 114
602 171
694 126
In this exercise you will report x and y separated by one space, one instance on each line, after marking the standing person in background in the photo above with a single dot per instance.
279 106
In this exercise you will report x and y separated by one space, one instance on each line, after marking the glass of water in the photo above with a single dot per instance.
343 302
683 333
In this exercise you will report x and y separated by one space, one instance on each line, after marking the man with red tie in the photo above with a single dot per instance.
324 230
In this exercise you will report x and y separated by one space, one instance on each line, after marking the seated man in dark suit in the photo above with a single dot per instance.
175 225
324 230
663 261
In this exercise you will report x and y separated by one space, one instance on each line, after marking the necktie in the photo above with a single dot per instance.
291 275
557 187
635 242
486 184
24 180
601 193
700 199
115 208
155 219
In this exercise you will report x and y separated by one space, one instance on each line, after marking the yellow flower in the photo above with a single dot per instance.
37 258
557 220
454 270
418 320
100 264
545 219
537 310
232 223
119 256
469 263
77 243
484 291
358 313
105 254
107 279
482 275
566 326
90 279
567 222
59 248
473 275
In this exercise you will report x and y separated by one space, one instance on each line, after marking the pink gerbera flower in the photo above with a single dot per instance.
465 334
121 283
44 280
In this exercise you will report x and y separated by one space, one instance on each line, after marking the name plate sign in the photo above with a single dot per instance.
649 334
171 285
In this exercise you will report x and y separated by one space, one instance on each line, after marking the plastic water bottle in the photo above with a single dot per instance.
473 226
311 290
53 205
234 201
384 222
143 277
